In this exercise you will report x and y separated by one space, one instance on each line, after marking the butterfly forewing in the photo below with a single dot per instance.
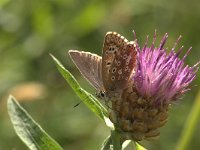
89 65
118 61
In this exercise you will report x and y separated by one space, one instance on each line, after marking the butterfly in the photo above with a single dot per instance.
111 73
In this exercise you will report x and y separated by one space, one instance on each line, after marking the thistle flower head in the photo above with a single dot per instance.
159 79
162 77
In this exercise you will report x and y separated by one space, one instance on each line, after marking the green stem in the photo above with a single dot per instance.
107 143
190 125
116 140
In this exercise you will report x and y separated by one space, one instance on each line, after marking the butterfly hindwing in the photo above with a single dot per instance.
89 65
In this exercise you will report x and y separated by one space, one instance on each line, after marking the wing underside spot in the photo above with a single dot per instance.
118 61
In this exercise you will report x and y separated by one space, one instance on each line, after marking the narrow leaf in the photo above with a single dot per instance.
139 147
125 144
116 140
28 130
107 144
91 102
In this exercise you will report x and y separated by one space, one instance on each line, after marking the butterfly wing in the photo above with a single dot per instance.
89 65
123 66
118 61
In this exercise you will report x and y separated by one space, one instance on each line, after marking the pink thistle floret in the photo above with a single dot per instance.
160 76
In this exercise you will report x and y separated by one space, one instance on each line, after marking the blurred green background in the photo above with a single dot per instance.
30 30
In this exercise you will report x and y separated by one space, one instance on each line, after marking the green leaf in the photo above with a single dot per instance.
116 140
125 144
107 144
91 102
139 147
28 130
190 125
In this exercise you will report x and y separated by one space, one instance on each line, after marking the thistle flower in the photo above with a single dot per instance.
159 79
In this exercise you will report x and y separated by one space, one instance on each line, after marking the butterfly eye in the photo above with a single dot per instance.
102 94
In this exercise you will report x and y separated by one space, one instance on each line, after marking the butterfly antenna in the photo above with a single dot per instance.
77 104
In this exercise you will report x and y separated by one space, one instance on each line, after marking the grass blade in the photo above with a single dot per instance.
190 125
